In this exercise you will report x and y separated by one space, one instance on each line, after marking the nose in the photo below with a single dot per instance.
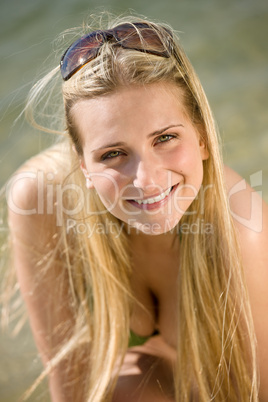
146 176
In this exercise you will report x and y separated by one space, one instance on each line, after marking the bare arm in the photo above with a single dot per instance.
44 285
251 219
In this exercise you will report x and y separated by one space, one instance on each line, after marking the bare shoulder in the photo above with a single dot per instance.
250 215
247 207
31 194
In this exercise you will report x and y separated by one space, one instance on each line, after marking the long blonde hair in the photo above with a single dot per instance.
216 357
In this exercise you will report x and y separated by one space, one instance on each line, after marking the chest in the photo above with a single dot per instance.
155 288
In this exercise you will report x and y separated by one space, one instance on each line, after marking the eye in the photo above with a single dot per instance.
165 138
111 155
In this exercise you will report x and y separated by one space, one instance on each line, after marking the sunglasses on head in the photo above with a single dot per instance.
137 36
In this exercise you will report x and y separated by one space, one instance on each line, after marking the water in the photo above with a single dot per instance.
226 42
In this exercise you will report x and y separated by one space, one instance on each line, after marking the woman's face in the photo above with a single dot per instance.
143 155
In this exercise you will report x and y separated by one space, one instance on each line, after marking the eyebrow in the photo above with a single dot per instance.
114 144
153 134
162 130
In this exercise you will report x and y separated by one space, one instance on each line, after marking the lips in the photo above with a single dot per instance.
153 202
154 199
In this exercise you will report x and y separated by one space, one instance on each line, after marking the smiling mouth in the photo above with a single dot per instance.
153 202
154 199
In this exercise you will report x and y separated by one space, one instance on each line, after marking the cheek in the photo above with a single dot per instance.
188 162
186 159
105 185
108 186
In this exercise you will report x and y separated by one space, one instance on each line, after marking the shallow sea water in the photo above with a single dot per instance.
227 44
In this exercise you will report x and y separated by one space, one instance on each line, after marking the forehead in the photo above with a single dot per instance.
132 109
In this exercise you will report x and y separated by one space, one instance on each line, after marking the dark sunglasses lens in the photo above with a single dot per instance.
79 53
141 37
137 36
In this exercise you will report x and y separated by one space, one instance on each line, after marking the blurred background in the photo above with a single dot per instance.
226 42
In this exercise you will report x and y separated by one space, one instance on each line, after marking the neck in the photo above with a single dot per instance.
163 242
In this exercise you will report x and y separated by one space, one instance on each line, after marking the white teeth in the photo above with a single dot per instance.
155 199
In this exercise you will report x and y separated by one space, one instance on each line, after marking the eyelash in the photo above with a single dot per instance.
108 155
170 137
119 153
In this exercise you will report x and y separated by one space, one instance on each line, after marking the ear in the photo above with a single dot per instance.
203 149
89 183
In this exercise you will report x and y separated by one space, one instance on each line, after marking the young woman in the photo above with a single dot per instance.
134 226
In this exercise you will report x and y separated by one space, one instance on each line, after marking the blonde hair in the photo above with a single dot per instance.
216 357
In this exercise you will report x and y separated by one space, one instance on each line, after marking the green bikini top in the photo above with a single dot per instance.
136 340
